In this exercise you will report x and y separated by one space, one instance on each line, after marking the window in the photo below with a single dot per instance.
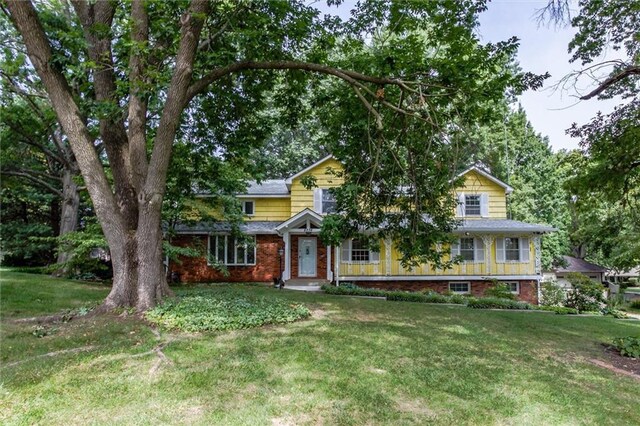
328 201
467 249
511 249
354 251
472 205
459 287
228 250
514 287
248 208
359 253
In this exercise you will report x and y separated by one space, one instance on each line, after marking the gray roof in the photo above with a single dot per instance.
575 264
251 228
501 225
268 187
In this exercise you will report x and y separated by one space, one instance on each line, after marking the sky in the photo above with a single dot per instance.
542 49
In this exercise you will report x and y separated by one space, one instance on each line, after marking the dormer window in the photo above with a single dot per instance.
248 207
472 205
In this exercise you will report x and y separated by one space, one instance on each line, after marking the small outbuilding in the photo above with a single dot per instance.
573 264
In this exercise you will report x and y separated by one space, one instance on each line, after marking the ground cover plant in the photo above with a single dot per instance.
628 346
354 361
224 310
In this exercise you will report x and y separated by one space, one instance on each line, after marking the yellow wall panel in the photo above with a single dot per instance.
270 209
475 183
302 198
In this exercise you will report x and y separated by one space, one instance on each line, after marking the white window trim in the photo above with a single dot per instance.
235 252
322 200
244 202
517 283
479 205
359 262
468 283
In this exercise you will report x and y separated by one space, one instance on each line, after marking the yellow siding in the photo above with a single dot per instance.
475 268
302 198
270 209
475 183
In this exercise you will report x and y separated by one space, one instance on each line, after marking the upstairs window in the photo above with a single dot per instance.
328 201
472 205
248 207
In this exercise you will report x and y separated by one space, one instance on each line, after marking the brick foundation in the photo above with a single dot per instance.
528 289
195 269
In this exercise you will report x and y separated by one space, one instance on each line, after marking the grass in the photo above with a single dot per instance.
355 361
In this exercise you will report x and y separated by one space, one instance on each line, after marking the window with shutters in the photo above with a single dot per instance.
512 249
355 251
328 201
472 205
467 249
229 250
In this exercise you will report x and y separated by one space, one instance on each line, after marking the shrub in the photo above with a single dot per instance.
224 310
552 294
635 304
499 291
628 346
616 313
353 290
560 310
495 303
405 296
585 295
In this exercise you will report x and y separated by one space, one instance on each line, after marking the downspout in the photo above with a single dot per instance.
538 290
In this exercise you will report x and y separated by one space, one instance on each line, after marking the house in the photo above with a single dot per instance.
619 277
282 216
573 264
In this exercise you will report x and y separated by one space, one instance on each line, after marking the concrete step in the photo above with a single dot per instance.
301 282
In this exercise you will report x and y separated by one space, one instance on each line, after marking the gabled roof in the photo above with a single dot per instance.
301 172
298 219
575 264
507 188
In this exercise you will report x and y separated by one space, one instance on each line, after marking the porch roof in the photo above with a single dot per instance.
250 228
501 225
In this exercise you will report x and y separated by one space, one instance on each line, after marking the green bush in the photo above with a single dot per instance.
628 346
224 310
552 294
616 313
499 291
585 295
352 290
495 303
405 296
560 310
635 304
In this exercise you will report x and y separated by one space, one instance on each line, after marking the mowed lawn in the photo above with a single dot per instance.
355 361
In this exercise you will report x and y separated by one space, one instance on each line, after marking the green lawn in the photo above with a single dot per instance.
356 361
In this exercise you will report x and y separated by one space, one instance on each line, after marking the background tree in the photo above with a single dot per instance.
148 61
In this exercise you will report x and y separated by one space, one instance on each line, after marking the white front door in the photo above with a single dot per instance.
307 257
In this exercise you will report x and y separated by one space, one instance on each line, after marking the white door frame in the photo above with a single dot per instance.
313 255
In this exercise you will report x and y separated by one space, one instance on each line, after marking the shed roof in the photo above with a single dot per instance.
575 264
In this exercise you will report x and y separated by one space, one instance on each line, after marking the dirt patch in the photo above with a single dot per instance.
414 406
618 364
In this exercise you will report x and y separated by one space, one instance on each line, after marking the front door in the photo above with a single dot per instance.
307 257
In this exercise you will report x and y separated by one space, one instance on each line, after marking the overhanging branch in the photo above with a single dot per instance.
627 72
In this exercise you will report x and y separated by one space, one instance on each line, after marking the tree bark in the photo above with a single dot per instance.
69 210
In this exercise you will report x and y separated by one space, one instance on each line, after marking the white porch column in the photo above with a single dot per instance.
329 273
337 265
286 274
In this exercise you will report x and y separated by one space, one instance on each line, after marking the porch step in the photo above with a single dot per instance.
301 282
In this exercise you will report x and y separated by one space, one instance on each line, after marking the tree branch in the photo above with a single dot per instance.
629 71
201 85
33 179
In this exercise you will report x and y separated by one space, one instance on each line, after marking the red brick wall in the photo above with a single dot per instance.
528 289
195 269
321 263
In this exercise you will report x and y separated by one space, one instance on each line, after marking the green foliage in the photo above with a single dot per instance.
628 346
635 304
585 295
560 310
616 313
348 289
88 254
494 303
500 291
224 310
552 294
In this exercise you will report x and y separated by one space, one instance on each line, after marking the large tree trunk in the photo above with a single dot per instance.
69 211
